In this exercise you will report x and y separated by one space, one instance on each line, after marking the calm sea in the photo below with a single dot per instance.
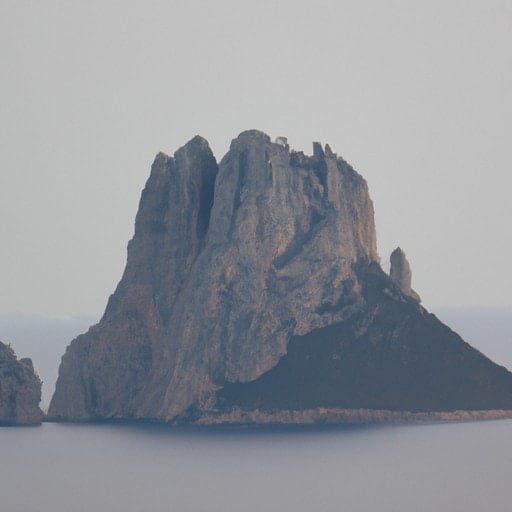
136 468
113 468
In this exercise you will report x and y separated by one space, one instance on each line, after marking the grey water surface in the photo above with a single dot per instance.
123 468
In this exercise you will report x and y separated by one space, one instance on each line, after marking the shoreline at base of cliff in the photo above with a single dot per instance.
308 417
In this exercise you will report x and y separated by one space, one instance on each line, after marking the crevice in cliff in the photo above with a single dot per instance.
301 239
241 180
206 199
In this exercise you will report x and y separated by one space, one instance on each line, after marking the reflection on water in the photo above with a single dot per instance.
128 468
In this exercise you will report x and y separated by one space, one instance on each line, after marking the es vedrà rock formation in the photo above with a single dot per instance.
20 390
253 293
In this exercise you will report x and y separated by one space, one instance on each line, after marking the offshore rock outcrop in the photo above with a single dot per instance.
400 273
20 390
255 285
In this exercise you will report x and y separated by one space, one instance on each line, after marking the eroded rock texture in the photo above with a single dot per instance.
400 273
231 268
20 390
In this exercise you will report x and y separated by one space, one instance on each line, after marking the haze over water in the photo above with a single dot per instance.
450 467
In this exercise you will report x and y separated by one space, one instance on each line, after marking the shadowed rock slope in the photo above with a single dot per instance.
255 285
20 390
392 355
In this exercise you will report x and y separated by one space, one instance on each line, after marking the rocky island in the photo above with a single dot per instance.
253 293
20 390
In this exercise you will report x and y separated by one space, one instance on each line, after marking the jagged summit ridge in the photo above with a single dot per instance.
229 264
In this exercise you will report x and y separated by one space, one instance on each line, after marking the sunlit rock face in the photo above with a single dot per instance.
20 390
230 265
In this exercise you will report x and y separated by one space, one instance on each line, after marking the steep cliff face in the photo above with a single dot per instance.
105 372
20 390
229 266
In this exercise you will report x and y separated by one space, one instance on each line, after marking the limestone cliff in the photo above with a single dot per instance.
20 390
230 267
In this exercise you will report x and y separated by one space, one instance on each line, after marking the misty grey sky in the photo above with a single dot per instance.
416 95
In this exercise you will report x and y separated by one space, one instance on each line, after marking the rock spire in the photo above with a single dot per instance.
400 273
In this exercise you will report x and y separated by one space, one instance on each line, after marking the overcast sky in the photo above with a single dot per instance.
416 95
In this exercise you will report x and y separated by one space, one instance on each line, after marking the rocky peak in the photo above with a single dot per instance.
400 273
263 247
20 390
260 276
